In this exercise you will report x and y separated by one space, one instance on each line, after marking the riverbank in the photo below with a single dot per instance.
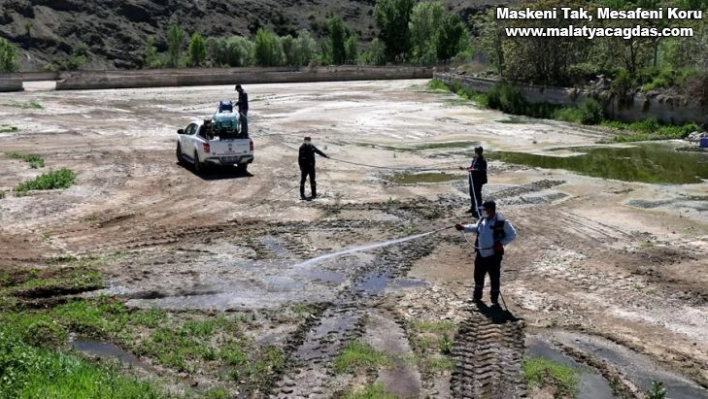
588 112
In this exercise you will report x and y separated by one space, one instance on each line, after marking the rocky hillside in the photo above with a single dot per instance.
115 31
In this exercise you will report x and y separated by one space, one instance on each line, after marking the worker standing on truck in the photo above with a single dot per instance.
477 178
493 233
306 160
242 104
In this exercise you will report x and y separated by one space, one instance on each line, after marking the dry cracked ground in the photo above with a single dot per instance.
209 272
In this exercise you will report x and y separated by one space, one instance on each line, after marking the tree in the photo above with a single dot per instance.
152 59
235 51
268 49
175 45
8 56
337 39
290 51
352 49
306 47
491 38
376 54
392 17
450 36
426 20
197 50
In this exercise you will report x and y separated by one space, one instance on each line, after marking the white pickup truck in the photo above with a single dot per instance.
201 145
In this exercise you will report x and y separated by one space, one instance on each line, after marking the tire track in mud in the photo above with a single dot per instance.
310 374
488 352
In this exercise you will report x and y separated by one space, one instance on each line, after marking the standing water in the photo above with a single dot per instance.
366 248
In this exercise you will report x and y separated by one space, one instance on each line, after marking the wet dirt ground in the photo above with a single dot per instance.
622 262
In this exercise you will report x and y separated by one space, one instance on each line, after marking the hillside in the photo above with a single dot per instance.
115 32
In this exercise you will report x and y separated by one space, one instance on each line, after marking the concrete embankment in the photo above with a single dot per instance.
10 85
206 77
666 108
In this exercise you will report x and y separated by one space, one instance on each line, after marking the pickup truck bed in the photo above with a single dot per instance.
196 145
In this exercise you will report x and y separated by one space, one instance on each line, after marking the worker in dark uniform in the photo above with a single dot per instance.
306 161
493 233
242 104
477 178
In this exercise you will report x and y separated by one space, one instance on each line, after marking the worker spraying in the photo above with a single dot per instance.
477 178
493 233
306 160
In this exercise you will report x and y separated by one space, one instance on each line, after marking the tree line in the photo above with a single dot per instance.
409 32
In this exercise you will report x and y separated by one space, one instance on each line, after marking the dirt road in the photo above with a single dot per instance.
584 262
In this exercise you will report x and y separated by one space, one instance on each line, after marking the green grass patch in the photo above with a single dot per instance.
43 283
358 355
31 372
437 327
539 372
436 85
649 129
8 129
35 161
412 178
371 391
29 105
62 178
2 194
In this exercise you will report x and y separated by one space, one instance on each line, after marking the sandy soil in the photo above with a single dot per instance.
585 260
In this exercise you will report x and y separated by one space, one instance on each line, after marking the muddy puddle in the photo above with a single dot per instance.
107 350
644 162
591 385
637 368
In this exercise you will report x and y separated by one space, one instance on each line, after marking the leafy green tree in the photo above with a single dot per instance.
236 51
8 56
392 18
306 47
352 49
337 40
426 20
376 55
450 36
268 49
175 45
152 59
197 50
290 51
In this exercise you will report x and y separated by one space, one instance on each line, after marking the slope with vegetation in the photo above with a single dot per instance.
73 34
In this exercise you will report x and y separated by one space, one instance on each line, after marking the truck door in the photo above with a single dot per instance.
187 140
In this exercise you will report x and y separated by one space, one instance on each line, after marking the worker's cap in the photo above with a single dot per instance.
308 138
479 149
489 204
238 87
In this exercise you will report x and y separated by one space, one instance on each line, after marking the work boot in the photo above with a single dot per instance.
302 191
313 187
477 294
495 298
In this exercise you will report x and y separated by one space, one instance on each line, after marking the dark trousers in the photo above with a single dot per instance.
482 266
244 121
476 198
304 172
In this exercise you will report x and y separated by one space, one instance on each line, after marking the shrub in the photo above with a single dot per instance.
8 56
507 98
591 112
62 178
43 333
